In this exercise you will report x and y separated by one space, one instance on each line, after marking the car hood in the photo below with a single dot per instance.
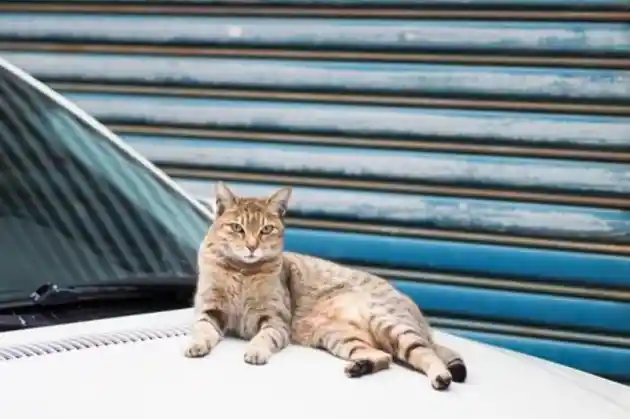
134 367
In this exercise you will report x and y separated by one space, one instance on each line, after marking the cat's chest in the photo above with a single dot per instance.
241 300
235 302
237 308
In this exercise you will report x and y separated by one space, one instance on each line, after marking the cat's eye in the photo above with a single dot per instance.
236 227
267 229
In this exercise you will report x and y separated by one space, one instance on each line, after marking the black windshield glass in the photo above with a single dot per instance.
75 209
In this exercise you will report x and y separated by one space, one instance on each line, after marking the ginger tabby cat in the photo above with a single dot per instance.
250 287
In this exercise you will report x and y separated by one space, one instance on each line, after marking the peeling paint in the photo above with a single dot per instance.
235 31
299 32
532 128
365 77
389 165
554 221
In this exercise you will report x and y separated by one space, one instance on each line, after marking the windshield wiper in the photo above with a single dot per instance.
41 307
52 295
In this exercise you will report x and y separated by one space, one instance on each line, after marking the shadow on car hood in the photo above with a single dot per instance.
134 366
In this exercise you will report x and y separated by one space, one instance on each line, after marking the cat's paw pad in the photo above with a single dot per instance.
257 355
197 349
440 378
359 368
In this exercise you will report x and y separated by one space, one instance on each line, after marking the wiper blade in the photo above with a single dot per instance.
51 294
41 307
132 287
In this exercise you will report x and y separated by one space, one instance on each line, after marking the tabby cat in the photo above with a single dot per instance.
241 289
250 287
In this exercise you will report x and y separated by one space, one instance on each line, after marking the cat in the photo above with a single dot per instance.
250 285
241 287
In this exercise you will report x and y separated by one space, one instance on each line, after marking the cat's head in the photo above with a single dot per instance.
249 229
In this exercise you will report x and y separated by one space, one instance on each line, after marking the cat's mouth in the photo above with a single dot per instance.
247 256
251 258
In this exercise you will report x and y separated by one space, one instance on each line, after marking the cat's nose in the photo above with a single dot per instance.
251 243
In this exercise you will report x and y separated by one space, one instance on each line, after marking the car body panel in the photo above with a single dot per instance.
153 377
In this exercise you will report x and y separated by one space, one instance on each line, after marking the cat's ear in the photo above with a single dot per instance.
225 198
279 201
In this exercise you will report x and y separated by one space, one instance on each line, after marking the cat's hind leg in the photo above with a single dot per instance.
454 362
410 344
348 341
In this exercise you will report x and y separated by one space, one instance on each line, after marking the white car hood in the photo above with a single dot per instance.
151 377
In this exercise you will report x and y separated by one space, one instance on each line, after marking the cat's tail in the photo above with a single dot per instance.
454 362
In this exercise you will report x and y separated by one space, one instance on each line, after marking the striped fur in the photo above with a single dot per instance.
274 296
241 288
362 318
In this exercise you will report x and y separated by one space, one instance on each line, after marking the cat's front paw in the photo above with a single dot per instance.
197 349
257 355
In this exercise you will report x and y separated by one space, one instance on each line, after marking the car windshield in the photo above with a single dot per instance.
75 209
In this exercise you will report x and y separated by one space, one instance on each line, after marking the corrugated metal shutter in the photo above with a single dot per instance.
476 151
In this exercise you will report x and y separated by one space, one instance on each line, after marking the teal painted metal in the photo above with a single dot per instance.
526 128
404 166
481 164
337 77
602 360
361 34
474 259
483 216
